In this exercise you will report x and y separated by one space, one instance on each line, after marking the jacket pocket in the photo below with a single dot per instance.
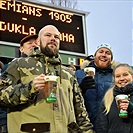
35 127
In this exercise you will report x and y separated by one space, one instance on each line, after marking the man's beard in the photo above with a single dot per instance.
50 52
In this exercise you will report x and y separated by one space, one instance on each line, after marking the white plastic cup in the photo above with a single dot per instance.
118 98
89 71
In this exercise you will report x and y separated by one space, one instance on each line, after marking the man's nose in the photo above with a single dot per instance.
34 44
52 37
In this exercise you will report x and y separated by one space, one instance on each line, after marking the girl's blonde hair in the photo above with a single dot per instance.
108 98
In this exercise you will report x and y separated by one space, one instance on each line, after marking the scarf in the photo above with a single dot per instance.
128 89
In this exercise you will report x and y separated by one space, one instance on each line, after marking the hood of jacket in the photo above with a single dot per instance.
36 53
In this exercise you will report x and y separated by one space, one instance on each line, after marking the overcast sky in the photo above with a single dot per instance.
110 22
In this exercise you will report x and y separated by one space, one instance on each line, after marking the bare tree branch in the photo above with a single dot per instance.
65 3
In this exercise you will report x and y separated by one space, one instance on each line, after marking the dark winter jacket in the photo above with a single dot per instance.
112 123
93 97
3 116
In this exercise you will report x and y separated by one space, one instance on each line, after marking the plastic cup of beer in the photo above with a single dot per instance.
50 88
118 98
89 71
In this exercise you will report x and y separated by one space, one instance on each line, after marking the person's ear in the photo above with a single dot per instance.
38 41
21 49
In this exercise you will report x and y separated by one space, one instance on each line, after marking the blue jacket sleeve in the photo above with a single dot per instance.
79 75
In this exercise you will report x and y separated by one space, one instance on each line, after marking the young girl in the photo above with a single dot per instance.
108 120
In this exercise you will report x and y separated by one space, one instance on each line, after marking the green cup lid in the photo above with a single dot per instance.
123 114
50 100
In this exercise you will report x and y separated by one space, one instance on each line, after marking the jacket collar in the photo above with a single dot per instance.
38 54
108 69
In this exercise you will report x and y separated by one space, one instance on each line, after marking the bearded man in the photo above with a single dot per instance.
22 91
94 89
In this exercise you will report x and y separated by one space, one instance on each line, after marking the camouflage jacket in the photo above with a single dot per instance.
27 106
